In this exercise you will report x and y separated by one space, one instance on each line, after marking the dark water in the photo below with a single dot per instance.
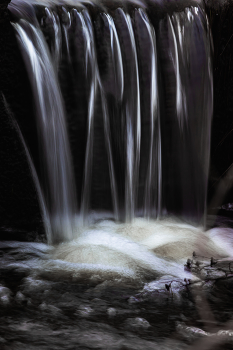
42 311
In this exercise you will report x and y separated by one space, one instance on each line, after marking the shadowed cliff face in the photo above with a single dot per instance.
3 5
220 15
19 208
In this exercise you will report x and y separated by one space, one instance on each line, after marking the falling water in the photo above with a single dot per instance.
90 69
144 91
52 20
52 131
190 53
153 179
131 110
44 211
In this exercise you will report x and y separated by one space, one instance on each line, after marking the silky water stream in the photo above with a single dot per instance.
123 106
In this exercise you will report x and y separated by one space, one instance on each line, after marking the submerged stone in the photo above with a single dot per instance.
20 297
137 323
111 311
5 295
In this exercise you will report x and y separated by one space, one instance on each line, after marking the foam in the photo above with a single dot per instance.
141 249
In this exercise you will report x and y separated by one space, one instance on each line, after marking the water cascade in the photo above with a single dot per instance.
106 121
123 101
51 127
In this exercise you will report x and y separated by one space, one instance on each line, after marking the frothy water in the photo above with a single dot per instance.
138 251
123 112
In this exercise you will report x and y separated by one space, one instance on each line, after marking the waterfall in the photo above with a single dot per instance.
123 106
44 211
131 111
52 131
153 186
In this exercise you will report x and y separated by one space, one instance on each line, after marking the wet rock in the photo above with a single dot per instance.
4 291
226 334
49 308
101 287
197 286
5 295
2 340
215 274
96 278
228 206
111 311
43 307
20 297
33 285
203 274
84 311
134 300
5 300
99 305
162 289
98 302
136 323
183 317
190 333
46 292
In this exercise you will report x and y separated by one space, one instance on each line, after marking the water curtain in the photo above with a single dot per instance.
123 107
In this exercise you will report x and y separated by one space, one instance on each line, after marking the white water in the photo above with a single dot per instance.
133 122
138 248
52 18
90 61
54 145
155 136
128 252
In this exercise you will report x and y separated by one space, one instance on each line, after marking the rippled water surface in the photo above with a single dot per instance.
49 303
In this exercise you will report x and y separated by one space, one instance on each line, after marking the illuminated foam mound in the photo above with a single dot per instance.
178 241
142 249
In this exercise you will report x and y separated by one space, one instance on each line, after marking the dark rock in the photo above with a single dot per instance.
137 323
